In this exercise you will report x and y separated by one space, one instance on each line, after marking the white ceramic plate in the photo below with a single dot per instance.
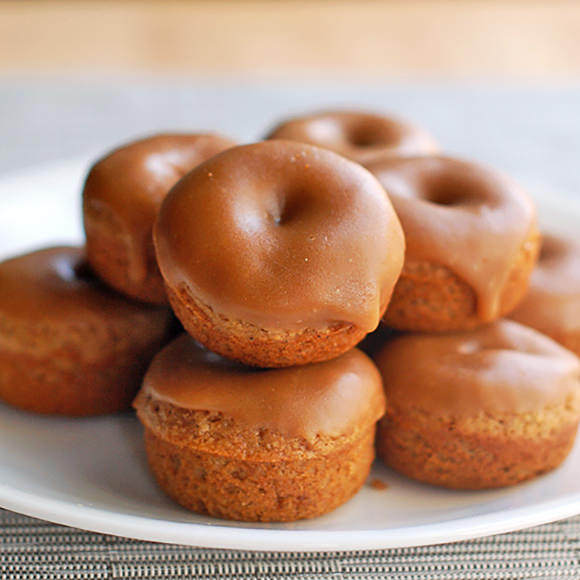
92 473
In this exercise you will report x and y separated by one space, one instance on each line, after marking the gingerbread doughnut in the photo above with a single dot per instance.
278 253
479 409
259 445
68 344
472 242
121 196
360 136
552 304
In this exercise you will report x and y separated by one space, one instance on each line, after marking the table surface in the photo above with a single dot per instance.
525 38
531 133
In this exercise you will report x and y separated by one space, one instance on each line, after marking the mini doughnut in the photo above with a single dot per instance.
68 344
552 304
478 409
362 137
259 445
121 196
472 243
278 253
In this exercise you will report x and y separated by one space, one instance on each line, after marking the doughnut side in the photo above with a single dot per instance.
478 453
214 433
109 253
431 298
37 385
252 345
77 370
237 489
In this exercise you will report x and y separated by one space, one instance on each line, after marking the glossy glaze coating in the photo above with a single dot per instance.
131 182
463 216
282 235
358 135
55 286
503 368
552 304
330 398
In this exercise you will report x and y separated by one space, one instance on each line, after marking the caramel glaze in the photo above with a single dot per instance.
360 136
282 235
329 398
132 181
463 216
503 368
55 286
552 304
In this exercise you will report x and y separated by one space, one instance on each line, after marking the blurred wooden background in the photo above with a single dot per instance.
536 39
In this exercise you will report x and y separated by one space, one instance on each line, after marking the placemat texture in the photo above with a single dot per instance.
526 131
36 550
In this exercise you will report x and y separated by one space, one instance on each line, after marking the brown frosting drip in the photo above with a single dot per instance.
133 180
363 137
330 398
463 216
282 235
501 368
56 286
552 304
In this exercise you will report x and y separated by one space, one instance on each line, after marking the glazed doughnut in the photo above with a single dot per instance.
259 445
552 304
278 253
121 196
472 242
362 137
68 344
478 409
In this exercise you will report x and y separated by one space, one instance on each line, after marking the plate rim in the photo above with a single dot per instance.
222 536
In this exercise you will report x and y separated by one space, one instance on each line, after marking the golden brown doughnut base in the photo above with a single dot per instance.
238 489
78 371
108 250
430 298
39 386
482 453
252 345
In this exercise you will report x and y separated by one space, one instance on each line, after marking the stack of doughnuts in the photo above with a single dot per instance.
473 401
278 258
79 326
265 411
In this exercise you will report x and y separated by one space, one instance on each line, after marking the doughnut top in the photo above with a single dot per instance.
463 216
552 304
501 368
360 136
131 182
329 398
56 286
282 235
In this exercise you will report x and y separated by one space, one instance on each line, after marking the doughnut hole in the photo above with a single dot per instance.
442 189
442 194
289 206
362 137
549 251
366 134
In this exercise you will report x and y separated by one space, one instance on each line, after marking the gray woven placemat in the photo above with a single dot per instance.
37 550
